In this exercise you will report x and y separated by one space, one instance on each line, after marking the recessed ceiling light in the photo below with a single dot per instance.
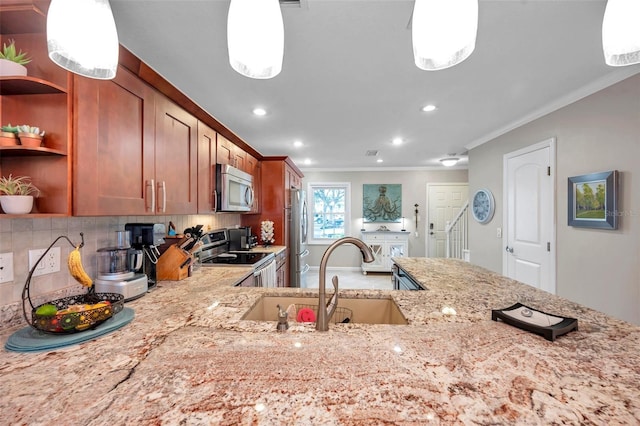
297 144
397 141
307 161
379 160
429 108
260 111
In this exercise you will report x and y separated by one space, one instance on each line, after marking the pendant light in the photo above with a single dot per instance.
82 37
621 32
255 37
443 32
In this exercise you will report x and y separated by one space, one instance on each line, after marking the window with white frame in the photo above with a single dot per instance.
329 209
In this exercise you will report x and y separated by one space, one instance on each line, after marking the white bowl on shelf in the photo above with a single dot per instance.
16 204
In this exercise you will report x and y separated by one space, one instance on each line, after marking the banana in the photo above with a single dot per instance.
76 269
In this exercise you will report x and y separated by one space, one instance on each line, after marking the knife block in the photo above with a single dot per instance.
173 265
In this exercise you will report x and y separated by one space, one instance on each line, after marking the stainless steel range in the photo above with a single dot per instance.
215 252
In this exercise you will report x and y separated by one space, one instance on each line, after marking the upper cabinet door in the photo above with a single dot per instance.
176 159
230 153
253 168
114 146
206 169
225 153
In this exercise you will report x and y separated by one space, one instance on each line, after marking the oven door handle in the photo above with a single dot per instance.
257 270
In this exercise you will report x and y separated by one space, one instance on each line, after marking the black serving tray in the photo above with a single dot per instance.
560 326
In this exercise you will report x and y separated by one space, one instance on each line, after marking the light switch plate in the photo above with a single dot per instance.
6 267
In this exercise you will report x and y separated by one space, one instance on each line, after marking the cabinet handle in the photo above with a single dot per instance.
215 200
152 207
164 196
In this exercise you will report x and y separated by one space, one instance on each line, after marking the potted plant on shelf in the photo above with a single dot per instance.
29 135
17 194
8 135
12 62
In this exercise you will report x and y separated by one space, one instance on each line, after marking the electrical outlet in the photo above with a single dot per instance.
48 265
499 233
6 267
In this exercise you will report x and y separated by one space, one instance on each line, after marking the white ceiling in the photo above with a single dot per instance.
349 84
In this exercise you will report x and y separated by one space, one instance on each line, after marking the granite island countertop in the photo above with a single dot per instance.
188 358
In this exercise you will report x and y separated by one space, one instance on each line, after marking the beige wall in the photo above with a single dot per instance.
598 268
414 189
18 236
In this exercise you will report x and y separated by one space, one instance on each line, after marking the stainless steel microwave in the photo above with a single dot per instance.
234 189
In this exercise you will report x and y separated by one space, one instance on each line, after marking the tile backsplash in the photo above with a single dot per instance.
20 235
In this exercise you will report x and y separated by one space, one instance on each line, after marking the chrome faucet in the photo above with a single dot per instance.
325 311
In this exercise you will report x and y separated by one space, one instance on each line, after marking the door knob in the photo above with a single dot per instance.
509 249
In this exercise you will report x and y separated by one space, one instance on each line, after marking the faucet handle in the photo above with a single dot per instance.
333 302
281 313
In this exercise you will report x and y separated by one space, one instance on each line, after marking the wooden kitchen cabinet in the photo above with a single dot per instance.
293 179
253 168
42 99
278 174
230 153
282 266
207 146
136 151
115 146
176 159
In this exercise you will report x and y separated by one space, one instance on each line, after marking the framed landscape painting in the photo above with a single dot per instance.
593 200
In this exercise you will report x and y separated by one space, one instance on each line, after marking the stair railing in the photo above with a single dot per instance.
457 232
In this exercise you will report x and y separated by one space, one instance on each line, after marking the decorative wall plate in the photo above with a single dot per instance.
547 325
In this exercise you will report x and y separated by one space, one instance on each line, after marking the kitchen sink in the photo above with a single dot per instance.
383 310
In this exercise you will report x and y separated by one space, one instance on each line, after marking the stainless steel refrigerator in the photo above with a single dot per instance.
298 226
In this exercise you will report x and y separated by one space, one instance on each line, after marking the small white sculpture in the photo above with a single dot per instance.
266 232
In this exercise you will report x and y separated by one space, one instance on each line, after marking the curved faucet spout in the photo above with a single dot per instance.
322 320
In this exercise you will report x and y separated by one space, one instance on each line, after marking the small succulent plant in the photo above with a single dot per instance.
24 128
9 52
10 129
19 185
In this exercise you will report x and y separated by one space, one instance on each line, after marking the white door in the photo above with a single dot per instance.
529 206
445 201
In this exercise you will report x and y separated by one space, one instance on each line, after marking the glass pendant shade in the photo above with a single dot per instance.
255 37
621 32
443 32
82 37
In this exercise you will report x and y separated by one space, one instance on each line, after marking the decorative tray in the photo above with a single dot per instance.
547 325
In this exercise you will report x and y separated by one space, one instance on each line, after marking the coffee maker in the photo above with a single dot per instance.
118 269
241 238
146 237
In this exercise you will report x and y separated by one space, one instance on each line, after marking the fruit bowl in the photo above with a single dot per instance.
74 314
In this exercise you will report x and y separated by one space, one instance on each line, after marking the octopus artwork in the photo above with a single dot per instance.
386 206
